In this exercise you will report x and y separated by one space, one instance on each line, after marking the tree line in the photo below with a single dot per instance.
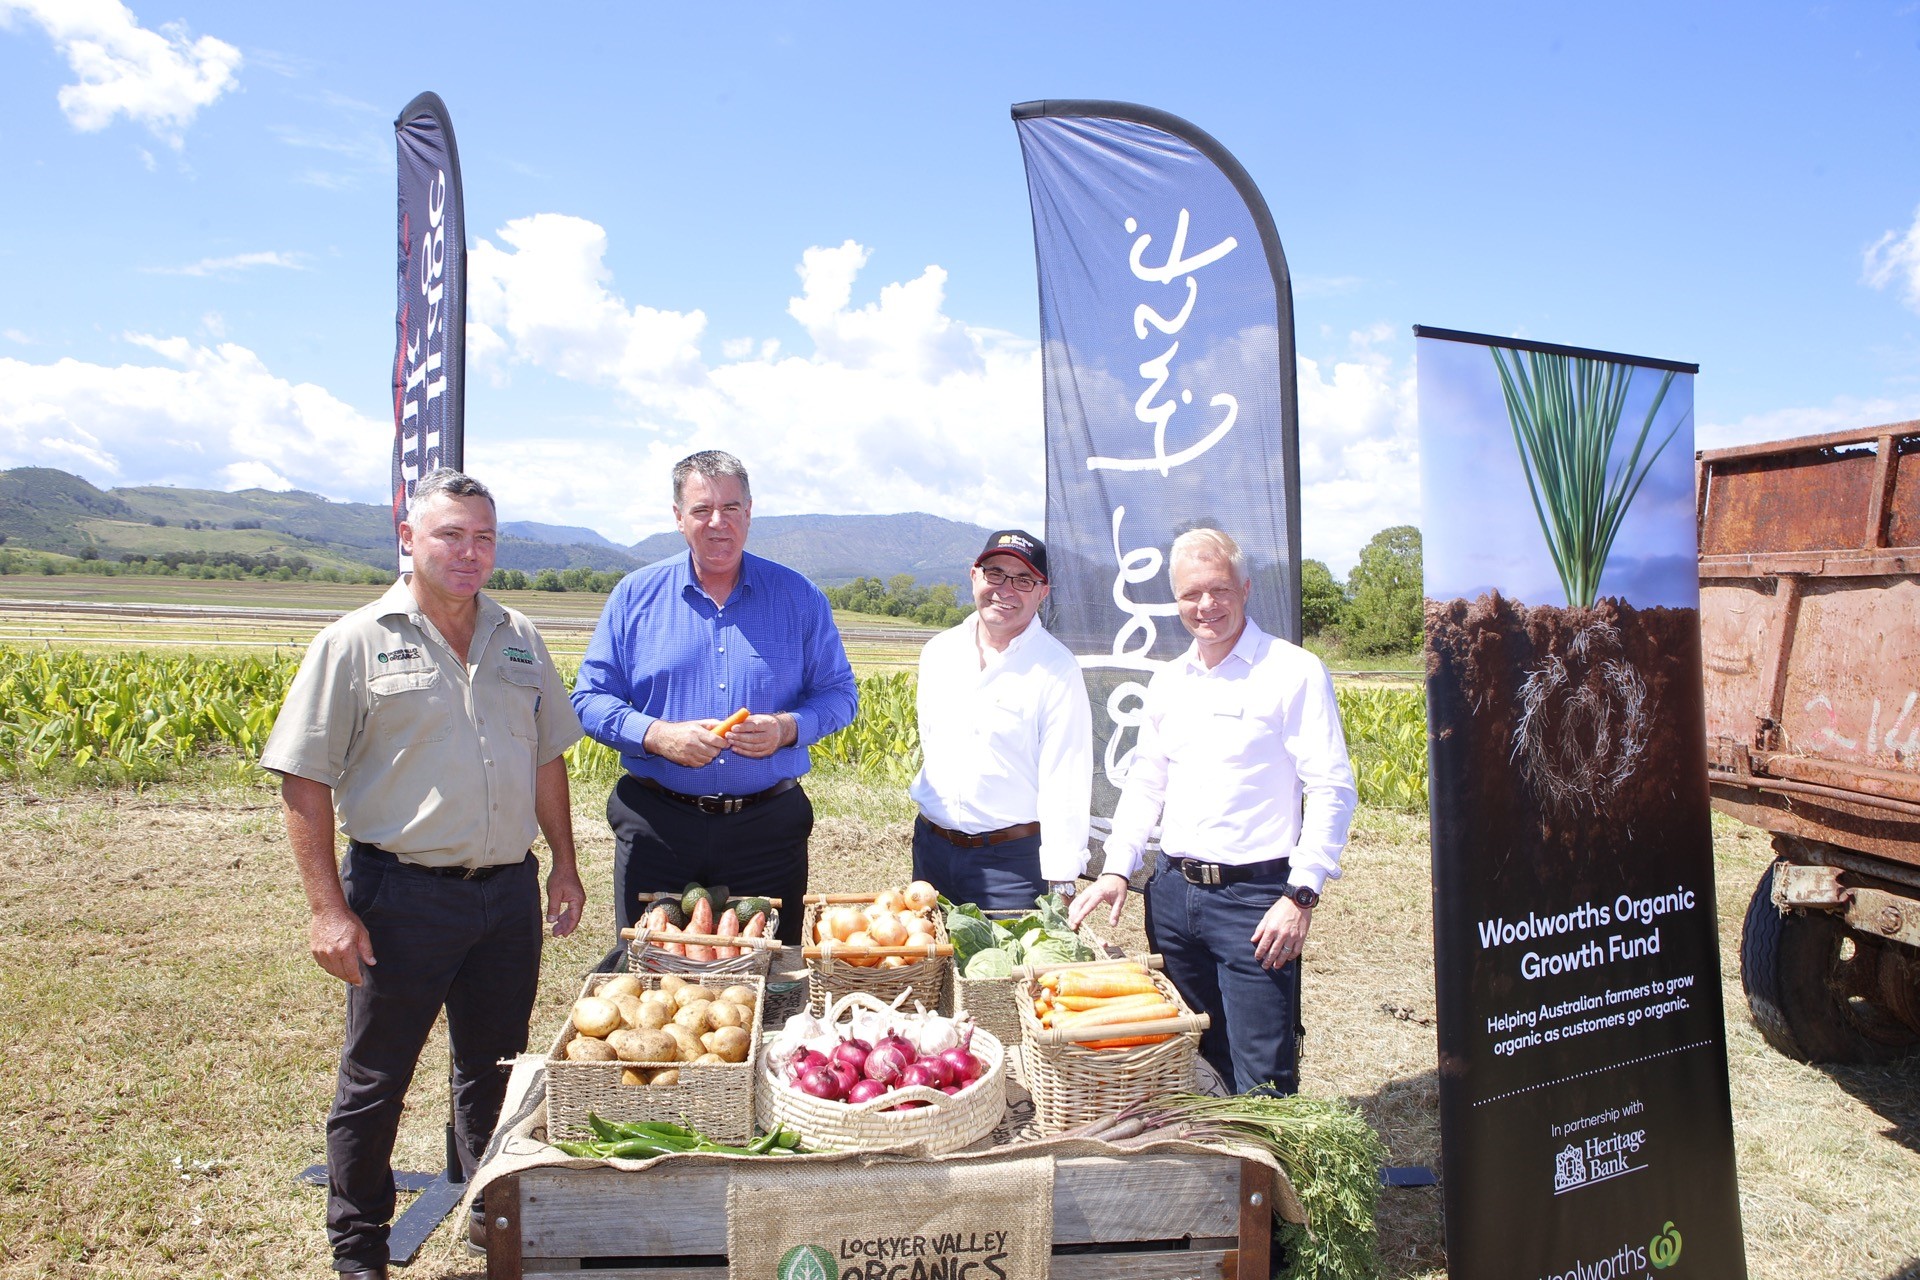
1379 608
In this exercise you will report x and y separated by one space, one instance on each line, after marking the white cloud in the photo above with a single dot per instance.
1844 414
17 335
1359 450
232 263
1895 259
202 415
160 79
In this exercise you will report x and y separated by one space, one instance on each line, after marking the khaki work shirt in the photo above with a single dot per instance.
430 758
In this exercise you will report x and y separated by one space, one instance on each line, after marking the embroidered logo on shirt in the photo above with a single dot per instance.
398 655
518 655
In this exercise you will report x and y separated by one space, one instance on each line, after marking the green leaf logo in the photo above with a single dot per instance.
1664 1248
815 1262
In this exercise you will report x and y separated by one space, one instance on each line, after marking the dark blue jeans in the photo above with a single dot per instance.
470 946
1205 935
994 877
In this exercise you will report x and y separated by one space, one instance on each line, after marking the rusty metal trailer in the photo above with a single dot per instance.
1810 629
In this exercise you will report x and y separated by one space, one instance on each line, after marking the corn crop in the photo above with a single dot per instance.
883 742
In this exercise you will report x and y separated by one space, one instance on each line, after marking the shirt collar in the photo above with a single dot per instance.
690 581
1248 649
399 600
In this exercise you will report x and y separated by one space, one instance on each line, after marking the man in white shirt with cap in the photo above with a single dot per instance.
1242 762
1006 736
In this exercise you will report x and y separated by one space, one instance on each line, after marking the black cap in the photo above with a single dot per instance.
1019 544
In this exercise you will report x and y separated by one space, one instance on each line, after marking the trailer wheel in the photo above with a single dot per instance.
1813 986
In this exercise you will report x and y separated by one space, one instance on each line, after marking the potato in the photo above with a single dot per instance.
708 1059
739 994
691 995
634 1075
656 995
721 1014
589 1049
666 1075
693 1016
645 1046
621 984
688 1043
653 1016
673 982
595 1017
629 1007
731 1043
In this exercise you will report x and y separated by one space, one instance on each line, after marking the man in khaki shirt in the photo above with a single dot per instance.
434 722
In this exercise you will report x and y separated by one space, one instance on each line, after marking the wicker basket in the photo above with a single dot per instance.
1072 1085
645 958
830 978
948 1123
714 1098
994 1003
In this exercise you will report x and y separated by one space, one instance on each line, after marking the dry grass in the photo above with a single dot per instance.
172 1046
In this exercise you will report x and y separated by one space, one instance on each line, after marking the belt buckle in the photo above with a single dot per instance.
1201 873
717 804
470 873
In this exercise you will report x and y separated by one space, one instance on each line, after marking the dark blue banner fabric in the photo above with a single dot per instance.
1167 324
429 359
1585 1115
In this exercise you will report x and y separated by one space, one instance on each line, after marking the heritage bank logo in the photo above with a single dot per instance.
1597 1159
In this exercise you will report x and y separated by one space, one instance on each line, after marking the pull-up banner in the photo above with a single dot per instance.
1584 1108
1166 319
429 357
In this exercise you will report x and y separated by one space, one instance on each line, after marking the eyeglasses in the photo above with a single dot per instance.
998 577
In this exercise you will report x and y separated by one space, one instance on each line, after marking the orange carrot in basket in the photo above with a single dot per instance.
1125 1042
1101 982
1077 1003
731 723
1115 1016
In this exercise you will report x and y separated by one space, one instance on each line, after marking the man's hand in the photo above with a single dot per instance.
566 899
340 944
758 737
1111 887
1281 934
689 742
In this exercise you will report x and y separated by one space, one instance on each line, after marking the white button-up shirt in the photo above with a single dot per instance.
1009 743
1239 763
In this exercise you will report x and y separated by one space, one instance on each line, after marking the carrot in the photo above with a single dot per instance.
1077 1003
1125 1042
731 723
1103 982
1111 1017
1053 979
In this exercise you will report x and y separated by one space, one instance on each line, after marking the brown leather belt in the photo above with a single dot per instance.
378 854
965 841
720 804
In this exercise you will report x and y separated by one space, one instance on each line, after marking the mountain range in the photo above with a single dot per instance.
50 510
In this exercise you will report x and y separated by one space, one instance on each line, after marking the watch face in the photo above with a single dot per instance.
1304 896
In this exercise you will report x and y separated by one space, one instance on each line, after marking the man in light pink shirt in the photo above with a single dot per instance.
1242 762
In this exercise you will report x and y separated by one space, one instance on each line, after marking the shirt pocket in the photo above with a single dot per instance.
773 664
520 690
410 708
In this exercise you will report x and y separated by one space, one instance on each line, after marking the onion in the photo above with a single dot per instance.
854 1054
951 1089
819 1083
804 1061
962 1067
922 1073
888 1059
908 1106
845 1077
866 1091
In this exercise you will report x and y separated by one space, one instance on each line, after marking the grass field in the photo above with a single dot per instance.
172 1046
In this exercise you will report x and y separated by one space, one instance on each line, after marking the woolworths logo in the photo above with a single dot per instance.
1664 1249
811 1262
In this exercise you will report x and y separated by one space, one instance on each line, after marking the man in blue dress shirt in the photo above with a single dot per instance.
680 646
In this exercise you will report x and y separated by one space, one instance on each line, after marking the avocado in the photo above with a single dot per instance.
676 915
747 908
694 893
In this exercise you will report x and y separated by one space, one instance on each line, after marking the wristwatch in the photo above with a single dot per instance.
1306 898
1065 888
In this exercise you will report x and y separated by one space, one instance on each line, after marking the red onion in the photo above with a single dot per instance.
888 1059
908 1106
819 1083
866 1091
854 1054
951 1089
845 1075
961 1065
804 1061
919 1073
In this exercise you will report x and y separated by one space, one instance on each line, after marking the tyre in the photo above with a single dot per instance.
1813 985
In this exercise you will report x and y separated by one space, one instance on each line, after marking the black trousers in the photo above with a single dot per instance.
470 946
994 877
662 845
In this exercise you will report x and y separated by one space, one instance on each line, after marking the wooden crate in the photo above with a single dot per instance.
1140 1217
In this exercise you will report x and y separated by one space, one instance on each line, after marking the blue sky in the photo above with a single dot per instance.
801 231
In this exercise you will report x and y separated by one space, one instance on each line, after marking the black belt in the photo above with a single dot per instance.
966 841
720 804
1193 871
377 854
